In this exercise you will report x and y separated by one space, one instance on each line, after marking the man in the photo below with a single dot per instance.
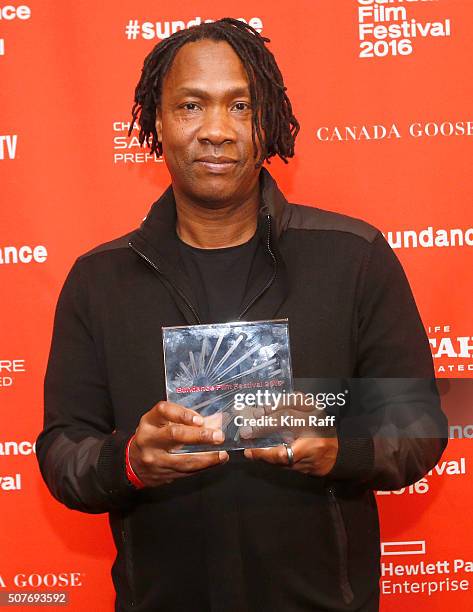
282 529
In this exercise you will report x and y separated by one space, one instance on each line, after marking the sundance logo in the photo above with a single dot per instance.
11 447
24 254
430 238
148 30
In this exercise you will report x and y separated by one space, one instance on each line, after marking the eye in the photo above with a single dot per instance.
189 104
245 104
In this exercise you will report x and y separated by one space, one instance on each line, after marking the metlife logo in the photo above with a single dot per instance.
149 30
387 28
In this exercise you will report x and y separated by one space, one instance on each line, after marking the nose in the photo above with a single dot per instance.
216 127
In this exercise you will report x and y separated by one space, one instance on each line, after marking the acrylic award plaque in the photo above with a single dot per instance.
216 369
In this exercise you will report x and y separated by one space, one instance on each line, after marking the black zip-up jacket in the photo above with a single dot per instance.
244 536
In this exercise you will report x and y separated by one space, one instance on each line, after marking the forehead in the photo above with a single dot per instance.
205 64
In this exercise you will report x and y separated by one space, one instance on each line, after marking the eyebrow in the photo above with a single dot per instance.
202 93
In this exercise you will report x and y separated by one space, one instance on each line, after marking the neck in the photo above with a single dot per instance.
208 228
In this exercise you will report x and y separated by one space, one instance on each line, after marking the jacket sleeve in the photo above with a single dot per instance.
394 431
80 454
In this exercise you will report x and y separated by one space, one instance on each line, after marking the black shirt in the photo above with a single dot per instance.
217 278
248 542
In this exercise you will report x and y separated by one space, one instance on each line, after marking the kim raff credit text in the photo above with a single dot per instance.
280 421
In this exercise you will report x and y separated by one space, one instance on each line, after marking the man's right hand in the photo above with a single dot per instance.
168 426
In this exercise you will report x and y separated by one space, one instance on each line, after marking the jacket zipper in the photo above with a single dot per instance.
186 300
342 544
270 281
128 562
153 265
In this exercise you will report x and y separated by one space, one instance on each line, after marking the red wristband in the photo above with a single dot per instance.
130 474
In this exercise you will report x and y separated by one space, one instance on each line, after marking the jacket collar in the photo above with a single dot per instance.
158 227
157 242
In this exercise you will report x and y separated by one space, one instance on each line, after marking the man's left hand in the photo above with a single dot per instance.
315 449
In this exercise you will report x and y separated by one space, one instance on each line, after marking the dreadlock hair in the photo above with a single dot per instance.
267 88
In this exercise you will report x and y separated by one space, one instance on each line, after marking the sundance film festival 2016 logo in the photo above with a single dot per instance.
9 483
444 469
10 13
386 27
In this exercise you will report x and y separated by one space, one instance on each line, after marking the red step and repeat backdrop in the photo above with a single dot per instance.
384 96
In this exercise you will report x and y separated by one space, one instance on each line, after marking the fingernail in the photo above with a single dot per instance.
223 456
218 436
198 420
245 432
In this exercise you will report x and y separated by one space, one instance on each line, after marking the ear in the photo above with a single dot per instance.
159 124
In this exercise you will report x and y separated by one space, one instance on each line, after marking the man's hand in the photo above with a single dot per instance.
168 426
315 448
315 456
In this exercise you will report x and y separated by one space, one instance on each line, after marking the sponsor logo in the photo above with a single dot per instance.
127 150
8 145
10 13
12 447
8 369
391 30
50 580
421 576
24 254
430 238
461 431
149 30
454 467
10 483
451 352
376 132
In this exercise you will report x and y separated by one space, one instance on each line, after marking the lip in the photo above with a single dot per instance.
216 159
216 164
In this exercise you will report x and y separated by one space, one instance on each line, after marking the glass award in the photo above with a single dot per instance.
229 373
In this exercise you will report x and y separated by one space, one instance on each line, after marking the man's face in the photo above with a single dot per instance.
206 111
